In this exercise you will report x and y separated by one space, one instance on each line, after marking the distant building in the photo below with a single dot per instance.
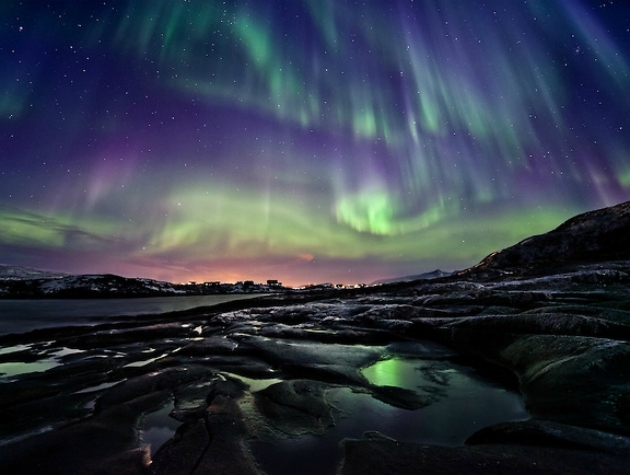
273 283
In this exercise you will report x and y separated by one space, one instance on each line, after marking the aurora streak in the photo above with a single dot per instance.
304 140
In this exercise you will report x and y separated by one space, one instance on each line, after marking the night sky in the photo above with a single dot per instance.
304 140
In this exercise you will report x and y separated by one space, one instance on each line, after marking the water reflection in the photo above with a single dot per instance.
16 368
47 359
464 403
157 427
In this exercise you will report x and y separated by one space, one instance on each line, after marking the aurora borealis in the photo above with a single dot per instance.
304 140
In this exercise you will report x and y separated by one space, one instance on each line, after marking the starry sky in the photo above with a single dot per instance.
304 140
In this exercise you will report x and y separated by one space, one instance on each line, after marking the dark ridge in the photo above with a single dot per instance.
595 236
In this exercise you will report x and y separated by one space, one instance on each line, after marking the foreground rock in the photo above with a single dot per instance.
263 370
523 448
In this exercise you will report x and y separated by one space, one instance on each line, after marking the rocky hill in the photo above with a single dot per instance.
25 283
436 274
32 285
595 236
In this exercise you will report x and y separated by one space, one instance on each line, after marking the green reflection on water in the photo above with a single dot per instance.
16 368
463 403
386 373
409 373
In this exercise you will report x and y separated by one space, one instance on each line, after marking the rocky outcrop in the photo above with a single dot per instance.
532 447
595 236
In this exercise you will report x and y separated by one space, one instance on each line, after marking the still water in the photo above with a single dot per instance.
464 402
20 316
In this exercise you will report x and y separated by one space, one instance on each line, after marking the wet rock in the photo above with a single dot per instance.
552 323
214 345
181 454
376 435
296 407
42 413
214 443
384 456
420 349
228 452
226 387
401 397
551 434
58 380
120 336
149 383
78 448
191 399
623 407
575 380
245 366
329 363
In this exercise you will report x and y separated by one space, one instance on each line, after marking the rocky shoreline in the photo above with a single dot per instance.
564 337
560 334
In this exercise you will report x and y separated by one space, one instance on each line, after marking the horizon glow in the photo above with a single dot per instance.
304 140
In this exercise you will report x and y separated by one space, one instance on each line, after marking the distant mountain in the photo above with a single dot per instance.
601 235
36 285
20 273
25 283
436 274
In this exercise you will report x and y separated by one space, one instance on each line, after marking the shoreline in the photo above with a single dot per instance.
540 340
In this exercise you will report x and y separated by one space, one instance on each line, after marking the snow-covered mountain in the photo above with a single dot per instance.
32 284
35 284
20 273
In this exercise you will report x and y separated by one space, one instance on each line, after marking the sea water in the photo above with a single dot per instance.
20 316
